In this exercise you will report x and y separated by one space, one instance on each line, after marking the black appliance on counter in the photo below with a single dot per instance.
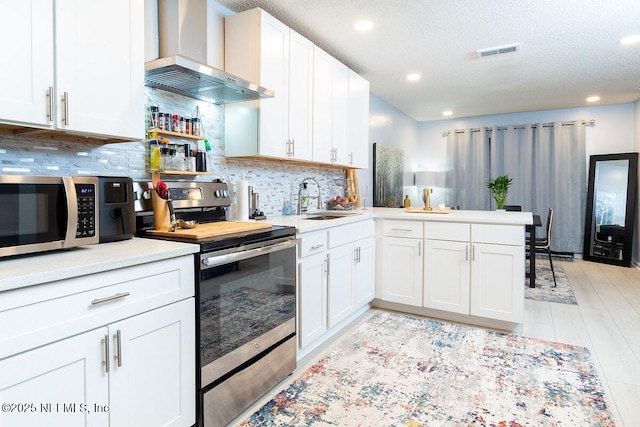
245 302
117 215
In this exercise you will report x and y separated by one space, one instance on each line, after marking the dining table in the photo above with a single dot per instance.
531 229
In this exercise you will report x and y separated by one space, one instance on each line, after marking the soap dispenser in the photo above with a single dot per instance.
407 202
304 198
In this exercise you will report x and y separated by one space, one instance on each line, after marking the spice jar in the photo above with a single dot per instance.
154 117
195 127
161 122
175 124
187 126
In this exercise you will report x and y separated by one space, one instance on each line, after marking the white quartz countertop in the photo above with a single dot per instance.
304 225
475 217
18 272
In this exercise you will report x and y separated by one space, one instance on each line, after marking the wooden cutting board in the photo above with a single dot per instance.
434 211
204 231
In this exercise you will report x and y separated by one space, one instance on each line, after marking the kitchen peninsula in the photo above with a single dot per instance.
466 266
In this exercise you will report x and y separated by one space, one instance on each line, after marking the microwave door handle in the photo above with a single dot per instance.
216 260
72 210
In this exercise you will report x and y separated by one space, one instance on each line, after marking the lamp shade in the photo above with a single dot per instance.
429 178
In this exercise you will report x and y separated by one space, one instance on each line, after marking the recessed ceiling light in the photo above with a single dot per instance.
447 113
363 25
594 98
413 77
630 39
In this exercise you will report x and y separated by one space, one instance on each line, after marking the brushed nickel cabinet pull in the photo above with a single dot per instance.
65 101
105 361
109 298
118 354
50 103
318 246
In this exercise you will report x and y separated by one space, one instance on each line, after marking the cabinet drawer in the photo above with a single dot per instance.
498 234
395 228
312 243
348 233
36 315
447 231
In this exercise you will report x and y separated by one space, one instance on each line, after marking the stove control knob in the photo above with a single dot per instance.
218 193
225 193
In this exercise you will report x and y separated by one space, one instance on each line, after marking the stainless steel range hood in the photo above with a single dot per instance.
194 79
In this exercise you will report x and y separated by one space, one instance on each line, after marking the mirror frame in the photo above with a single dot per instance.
630 212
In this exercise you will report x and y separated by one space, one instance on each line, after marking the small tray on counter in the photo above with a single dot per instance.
433 211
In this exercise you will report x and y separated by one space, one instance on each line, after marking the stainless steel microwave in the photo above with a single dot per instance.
41 213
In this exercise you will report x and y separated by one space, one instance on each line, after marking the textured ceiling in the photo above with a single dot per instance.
568 50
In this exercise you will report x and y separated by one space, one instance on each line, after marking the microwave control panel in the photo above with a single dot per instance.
86 194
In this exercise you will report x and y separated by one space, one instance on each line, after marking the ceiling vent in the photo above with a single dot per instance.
499 50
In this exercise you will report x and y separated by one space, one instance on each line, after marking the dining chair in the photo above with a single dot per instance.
543 244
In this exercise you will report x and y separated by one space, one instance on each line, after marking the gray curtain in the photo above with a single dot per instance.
511 154
548 167
560 171
468 169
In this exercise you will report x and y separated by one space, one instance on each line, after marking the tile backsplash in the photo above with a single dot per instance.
272 180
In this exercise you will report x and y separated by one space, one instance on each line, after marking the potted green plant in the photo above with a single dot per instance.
499 188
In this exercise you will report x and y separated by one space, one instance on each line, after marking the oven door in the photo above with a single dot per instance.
246 303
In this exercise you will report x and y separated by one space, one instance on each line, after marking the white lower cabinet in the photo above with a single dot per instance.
402 254
497 282
365 272
446 276
109 349
462 268
57 385
402 271
313 298
336 279
341 286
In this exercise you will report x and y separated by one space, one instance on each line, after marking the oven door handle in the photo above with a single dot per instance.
217 260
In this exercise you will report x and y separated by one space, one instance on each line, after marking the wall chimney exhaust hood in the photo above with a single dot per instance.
194 79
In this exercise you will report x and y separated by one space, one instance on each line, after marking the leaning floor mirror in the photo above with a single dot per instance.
611 208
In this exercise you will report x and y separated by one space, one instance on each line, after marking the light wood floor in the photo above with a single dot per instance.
607 321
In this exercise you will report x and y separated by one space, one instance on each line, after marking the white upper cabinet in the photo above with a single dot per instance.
26 62
330 109
320 111
66 73
358 122
261 49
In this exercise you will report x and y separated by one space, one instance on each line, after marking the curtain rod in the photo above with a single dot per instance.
545 125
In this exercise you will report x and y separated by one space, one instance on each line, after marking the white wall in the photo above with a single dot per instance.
391 127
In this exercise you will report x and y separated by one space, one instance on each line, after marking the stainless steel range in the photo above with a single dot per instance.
245 301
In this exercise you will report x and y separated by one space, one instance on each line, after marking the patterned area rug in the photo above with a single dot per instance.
400 370
544 290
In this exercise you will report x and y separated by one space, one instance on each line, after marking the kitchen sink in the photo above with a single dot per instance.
324 217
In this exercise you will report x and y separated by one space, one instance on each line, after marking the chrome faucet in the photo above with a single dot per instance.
299 209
